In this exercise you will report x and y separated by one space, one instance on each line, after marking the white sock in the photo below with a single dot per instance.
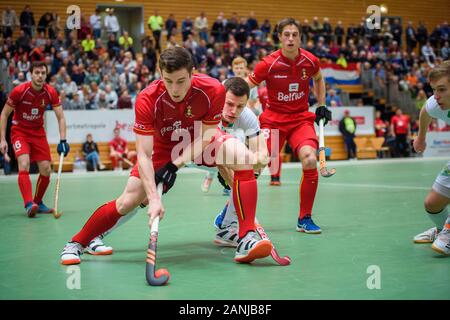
230 214
439 219
121 221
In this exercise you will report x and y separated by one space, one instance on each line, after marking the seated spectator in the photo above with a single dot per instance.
91 155
65 103
125 101
111 97
332 96
429 55
77 103
69 87
119 151
445 51
126 42
420 100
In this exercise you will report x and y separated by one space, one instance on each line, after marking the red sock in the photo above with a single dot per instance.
308 188
41 187
113 161
25 187
245 196
103 219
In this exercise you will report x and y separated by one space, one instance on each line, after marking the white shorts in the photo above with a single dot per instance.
442 183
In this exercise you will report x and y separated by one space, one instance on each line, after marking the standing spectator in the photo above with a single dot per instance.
171 26
411 38
44 23
347 126
396 29
201 26
88 45
422 34
252 26
96 24
111 23
9 22
327 30
186 29
400 129
155 24
91 154
265 29
218 29
27 22
339 33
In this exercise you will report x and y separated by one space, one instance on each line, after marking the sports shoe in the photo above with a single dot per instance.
226 192
97 248
71 253
44 209
275 181
220 216
307 225
251 247
31 209
442 242
101 166
427 236
227 236
206 185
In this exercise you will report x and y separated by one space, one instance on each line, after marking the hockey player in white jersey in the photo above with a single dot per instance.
436 202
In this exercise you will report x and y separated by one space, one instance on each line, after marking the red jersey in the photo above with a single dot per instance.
287 81
156 114
119 144
379 132
400 123
29 105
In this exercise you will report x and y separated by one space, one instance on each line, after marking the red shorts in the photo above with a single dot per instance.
298 129
163 155
33 143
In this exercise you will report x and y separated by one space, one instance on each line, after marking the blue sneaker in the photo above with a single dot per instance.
307 225
220 216
226 192
31 209
44 209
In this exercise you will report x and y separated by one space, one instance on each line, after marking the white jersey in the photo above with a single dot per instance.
245 127
435 111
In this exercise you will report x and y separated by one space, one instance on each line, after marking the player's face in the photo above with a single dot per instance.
177 83
38 76
233 107
240 70
441 91
290 38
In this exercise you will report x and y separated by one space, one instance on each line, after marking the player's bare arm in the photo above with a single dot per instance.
144 148
7 110
319 88
61 122
258 146
424 121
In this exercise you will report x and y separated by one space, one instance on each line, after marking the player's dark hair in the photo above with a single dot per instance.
238 86
287 22
38 64
174 59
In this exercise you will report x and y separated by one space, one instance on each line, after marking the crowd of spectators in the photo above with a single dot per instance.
97 66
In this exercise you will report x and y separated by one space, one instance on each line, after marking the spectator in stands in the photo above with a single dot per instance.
411 38
9 22
27 22
119 151
332 96
125 101
155 24
77 103
187 26
265 29
69 87
171 26
91 154
420 100
92 75
252 26
111 23
126 42
428 53
401 130
95 21
201 26
111 97
445 51
44 23
88 45
65 103
347 127
218 29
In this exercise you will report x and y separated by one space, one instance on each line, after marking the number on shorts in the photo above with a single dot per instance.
17 145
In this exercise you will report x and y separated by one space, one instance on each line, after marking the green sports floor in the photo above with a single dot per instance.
369 212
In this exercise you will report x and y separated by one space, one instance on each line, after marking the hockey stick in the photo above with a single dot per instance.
161 276
322 161
282 261
57 214
128 162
